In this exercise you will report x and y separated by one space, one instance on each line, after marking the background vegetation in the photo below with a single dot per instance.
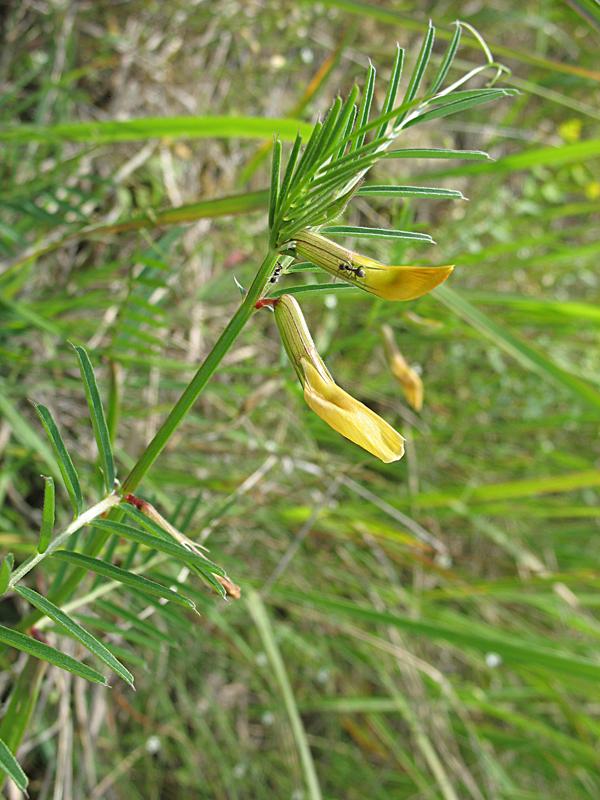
424 629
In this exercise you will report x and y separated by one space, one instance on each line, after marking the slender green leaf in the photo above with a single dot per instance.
458 102
164 544
114 401
346 117
392 90
275 178
348 130
309 150
447 60
129 579
98 418
5 570
67 470
330 126
48 515
382 233
419 69
437 152
290 167
365 106
74 628
44 652
385 190
12 767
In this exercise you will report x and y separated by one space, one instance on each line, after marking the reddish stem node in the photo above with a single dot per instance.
135 501
266 302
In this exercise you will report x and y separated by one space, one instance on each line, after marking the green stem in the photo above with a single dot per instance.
178 413
201 378
79 522
21 692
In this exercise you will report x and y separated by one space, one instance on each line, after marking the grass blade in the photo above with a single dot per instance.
523 653
551 156
76 630
525 354
44 652
129 579
261 620
11 766
26 433
48 515
217 127
67 470
409 23
98 418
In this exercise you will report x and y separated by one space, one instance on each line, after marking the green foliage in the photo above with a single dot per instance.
48 515
64 461
43 651
123 576
418 630
11 766
318 185
74 629
97 418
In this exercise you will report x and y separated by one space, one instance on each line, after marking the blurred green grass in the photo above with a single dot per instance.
436 619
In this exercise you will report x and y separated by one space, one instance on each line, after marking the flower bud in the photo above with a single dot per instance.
389 282
409 379
337 408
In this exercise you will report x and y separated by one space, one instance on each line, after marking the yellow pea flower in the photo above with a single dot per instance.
389 282
409 379
342 412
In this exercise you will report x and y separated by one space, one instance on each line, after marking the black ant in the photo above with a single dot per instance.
276 273
358 272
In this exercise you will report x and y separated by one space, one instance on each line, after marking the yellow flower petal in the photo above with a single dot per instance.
337 408
409 379
411 382
403 283
350 417
389 282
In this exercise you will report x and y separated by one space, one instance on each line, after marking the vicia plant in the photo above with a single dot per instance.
307 196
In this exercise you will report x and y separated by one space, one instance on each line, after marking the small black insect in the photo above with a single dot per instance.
276 273
358 272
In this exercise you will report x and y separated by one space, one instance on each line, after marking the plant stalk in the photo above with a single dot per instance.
178 413
202 376
89 515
